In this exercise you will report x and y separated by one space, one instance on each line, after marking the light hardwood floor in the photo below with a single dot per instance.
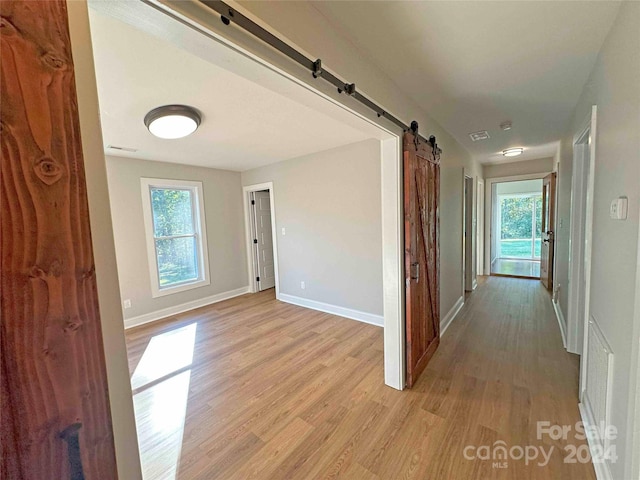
255 388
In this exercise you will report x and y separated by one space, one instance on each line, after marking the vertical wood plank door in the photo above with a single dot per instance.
56 421
422 254
548 230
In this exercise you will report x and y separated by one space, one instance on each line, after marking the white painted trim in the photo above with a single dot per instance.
251 267
489 220
370 318
588 231
561 322
448 318
577 240
633 461
200 231
183 307
468 241
601 468
393 300
480 222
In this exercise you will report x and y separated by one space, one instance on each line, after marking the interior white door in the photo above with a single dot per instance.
262 240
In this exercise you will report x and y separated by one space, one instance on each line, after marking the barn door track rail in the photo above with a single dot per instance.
230 15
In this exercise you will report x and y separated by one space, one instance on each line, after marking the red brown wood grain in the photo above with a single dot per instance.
53 367
422 254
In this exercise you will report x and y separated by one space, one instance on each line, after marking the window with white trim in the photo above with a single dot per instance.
175 231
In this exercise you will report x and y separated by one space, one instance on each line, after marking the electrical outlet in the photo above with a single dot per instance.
284 232
302 285
127 303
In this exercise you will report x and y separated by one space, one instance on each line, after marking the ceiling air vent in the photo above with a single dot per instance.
121 149
477 136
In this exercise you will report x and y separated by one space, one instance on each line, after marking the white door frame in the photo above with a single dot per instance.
469 281
634 414
489 220
251 259
580 233
588 229
193 15
480 226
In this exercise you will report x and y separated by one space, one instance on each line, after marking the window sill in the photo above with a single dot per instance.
183 287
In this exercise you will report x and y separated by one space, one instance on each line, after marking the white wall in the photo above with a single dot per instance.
330 205
301 26
526 167
519 187
120 398
614 87
225 232
563 224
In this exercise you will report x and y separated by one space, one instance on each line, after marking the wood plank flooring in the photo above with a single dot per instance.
255 388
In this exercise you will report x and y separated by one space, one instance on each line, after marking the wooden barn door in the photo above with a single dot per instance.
56 421
422 259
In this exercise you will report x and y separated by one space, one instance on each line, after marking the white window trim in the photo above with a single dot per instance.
201 234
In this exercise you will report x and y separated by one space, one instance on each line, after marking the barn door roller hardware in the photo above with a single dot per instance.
228 15
432 139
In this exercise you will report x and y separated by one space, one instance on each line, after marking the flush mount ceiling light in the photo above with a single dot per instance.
506 125
172 121
512 152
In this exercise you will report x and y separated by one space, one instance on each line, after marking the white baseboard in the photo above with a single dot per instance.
377 320
183 307
561 323
448 318
602 467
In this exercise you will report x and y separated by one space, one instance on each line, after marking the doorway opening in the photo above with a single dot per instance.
260 226
480 229
468 239
580 236
517 228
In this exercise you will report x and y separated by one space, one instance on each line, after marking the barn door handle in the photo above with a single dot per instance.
71 436
415 272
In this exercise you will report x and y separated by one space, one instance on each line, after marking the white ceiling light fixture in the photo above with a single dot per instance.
172 121
506 125
513 152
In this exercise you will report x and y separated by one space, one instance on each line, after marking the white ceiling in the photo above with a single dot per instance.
245 124
474 64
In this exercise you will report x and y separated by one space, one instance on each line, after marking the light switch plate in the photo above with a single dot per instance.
618 209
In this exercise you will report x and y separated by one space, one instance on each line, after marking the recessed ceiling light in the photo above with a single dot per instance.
512 152
172 121
506 125
482 135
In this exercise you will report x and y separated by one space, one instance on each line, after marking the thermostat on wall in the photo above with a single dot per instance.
619 208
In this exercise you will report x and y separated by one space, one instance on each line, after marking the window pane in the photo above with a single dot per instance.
516 217
177 260
538 216
172 211
516 227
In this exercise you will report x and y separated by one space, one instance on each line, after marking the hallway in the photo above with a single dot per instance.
275 391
